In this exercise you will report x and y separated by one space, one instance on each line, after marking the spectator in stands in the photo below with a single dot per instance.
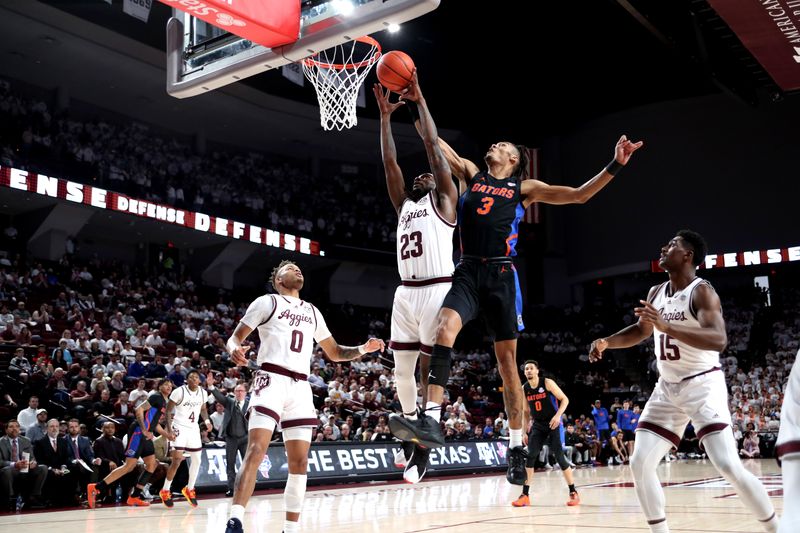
751 445
113 345
116 385
124 411
128 354
139 394
9 336
38 429
21 313
80 399
80 373
12 461
24 336
156 370
99 377
103 406
27 417
114 365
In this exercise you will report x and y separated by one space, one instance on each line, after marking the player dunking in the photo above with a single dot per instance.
787 449
684 316
140 444
426 219
280 394
547 403
189 404
485 280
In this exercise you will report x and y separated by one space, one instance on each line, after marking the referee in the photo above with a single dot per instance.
547 404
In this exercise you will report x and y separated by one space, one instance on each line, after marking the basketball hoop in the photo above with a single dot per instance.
337 74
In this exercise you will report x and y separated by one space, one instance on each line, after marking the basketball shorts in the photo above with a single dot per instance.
628 435
537 438
187 438
414 316
282 401
702 399
491 290
138 444
789 434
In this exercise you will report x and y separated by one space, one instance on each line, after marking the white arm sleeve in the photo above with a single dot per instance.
260 311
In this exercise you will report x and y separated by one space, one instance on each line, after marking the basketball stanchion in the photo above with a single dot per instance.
337 74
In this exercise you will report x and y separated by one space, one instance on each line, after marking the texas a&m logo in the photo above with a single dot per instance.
260 382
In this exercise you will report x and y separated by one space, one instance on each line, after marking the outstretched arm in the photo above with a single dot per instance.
442 174
710 335
624 338
337 352
394 176
538 191
461 168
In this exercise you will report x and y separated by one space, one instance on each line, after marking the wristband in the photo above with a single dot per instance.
614 167
413 110
362 350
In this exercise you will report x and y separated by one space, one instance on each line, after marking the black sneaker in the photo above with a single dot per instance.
403 455
417 466
234 526
516 474
424 431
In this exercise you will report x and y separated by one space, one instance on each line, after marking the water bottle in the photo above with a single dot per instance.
118 497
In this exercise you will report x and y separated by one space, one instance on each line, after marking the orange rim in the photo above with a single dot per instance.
309 62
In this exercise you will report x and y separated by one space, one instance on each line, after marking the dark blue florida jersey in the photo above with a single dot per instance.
489 212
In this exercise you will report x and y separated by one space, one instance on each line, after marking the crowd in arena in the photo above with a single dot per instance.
134 158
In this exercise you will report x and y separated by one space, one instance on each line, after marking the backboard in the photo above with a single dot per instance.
202 57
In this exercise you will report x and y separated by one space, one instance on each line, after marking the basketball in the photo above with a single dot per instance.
394 70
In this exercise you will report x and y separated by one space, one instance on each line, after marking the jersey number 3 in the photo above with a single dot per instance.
669 351
412 239
487 202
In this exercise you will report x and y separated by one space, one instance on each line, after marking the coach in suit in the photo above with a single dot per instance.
12 448
52 451
80 448
234 426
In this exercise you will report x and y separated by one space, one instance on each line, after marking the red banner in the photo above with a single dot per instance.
71 191
770 29
270 23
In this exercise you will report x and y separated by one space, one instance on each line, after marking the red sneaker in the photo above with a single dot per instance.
574 499
137 502
91 495
166 497
190 496
522 501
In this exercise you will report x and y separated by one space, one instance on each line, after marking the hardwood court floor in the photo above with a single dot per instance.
698 500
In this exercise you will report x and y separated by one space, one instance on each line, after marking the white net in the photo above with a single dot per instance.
337 74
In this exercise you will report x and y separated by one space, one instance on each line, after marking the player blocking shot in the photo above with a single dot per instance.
684 316
426 220
280 395
547 403
187 404
485 281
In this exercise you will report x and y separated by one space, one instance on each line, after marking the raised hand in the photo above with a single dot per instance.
624 149
382 96
596 350
412 92
650 315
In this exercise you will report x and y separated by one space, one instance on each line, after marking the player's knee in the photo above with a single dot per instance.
256 449
298 465
638 463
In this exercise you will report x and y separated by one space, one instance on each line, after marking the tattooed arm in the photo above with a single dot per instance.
337 352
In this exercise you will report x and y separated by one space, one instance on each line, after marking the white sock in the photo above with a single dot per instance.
237 511
661 527
194 468
291 527
167 484
790 468
405 361
434 410
516 438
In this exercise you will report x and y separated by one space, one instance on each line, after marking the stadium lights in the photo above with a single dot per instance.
393 28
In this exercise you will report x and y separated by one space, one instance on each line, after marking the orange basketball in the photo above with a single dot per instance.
394 70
